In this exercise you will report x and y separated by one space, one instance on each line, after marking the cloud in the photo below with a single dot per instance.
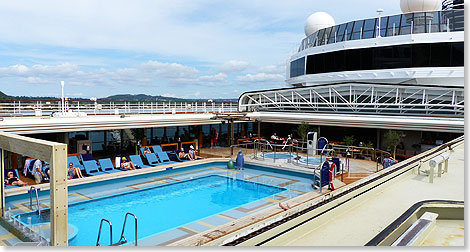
233 66
261 77
221 77
277 69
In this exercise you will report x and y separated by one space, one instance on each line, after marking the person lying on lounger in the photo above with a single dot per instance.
184 155
127 165
12 180
147 151
74 172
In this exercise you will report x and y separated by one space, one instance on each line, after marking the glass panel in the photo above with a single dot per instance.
393 25
327 36
457 54
369 24
432 21
419 21
368 34
358 25
383 26
340 33
310 64
334 32
440 53
405 27
321 33
356 35
297 67
420 55
348 31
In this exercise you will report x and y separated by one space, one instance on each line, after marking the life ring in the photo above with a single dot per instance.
332 171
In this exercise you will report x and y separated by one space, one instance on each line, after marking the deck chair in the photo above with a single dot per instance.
164 158
75 161
157 149
174 156
86 157
138 161
107 166
91 168
152 159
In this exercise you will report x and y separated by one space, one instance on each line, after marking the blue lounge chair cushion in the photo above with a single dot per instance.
86 157
164 158
91 168
138 161
152 159
107 166
157 149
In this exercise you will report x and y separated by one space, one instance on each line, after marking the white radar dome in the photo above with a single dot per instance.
318 21
408 6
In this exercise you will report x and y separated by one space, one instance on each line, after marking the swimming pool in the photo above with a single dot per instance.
279 155
246 191
159 208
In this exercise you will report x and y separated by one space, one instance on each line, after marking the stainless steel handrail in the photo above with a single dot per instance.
31 189
110 232
123 238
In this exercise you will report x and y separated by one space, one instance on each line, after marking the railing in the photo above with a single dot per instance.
359 98
260 147
31 190
40 108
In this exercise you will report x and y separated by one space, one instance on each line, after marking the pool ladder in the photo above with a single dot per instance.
123 239
31 190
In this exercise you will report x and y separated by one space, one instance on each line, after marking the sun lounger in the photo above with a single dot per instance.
107 166
75 161
164 158
91 168
138 161
152 159
156 149
86 157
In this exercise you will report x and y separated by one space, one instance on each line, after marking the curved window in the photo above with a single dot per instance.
389 57
411 23
297 67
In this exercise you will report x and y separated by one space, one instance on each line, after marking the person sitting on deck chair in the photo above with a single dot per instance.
14 181
183 155
74 172
127 165
147 151
193 153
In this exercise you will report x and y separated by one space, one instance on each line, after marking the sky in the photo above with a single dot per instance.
200 49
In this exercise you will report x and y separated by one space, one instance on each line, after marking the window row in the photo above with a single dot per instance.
390 57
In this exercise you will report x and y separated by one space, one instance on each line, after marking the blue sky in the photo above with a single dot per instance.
181 48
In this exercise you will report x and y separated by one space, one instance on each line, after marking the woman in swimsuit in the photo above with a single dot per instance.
12 180
74 172
127 165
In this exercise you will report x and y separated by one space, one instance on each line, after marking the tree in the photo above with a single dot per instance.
393 139
349 140
303 129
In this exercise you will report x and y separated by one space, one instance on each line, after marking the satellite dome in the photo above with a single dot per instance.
408 6
318 21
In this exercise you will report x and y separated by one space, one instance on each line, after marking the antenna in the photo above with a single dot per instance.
62 84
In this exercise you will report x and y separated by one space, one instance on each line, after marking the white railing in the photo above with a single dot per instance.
45 108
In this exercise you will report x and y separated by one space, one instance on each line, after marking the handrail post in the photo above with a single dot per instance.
110 232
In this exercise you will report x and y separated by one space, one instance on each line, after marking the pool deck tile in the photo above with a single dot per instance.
215 220
165 237
197 227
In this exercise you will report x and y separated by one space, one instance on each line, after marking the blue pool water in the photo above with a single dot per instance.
279 155
159 208
312 160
